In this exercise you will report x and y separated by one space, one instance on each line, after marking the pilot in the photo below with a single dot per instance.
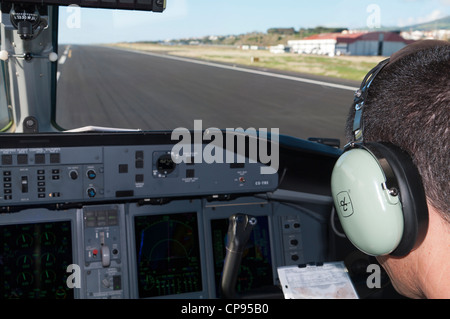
408 105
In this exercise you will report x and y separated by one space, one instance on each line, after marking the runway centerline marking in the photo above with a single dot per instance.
241 69
62 60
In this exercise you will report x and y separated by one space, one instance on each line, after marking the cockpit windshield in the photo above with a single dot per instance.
292 65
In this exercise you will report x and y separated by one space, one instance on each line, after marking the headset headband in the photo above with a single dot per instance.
359 101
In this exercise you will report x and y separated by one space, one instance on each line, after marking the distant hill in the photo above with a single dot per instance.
440 24
275 36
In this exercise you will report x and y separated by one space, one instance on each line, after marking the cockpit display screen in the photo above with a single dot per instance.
34 260
168 254
256 266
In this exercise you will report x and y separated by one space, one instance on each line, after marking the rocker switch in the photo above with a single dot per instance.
24 183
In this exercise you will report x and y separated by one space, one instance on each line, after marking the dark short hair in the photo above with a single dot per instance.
408 104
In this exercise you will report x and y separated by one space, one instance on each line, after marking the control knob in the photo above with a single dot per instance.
91 174
91 192
73 174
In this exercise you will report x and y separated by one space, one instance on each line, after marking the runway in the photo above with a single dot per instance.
117 88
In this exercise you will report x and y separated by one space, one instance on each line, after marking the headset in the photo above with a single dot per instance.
377 190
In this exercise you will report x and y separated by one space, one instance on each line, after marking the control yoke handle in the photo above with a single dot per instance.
239 231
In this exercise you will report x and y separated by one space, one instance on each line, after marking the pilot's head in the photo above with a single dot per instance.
408 105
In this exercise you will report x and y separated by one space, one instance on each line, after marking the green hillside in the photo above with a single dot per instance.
440 24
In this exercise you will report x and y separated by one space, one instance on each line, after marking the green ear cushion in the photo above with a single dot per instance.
371 218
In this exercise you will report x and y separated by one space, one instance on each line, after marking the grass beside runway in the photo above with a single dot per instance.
341 67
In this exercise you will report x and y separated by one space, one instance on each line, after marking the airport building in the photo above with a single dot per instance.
359 43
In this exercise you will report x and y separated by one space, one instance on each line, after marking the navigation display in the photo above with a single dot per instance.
168 254
34 260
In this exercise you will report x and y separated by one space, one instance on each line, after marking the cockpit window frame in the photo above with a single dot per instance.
54 69
5 98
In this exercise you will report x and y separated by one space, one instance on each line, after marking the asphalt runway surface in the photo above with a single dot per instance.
109 87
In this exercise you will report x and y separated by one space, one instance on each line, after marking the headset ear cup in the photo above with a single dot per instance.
412 196
375 220
371 218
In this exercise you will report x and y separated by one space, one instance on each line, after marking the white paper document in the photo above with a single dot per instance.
325 281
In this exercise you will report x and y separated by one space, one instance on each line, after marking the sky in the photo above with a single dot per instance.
197 18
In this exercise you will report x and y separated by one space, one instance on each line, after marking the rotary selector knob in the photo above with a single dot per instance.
91 192
91 174
73 174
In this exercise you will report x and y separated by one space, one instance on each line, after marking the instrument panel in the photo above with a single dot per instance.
114 216
68 175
